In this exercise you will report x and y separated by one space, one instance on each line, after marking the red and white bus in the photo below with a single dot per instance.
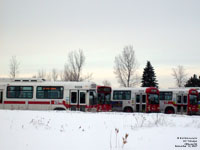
135 99
37 94
179 101
104 98
198 89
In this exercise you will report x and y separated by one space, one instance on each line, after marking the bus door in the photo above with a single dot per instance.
182 101
162 101
140 103
82 99
78 99
1 99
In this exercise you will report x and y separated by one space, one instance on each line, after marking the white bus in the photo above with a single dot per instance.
135 99
37 94
179 101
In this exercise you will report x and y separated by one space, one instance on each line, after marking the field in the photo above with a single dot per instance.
50 130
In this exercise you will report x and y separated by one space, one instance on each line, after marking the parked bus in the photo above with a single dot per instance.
104 98
179 101
37 94
198 102
135 99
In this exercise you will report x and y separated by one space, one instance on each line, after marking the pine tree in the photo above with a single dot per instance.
149 77
193 82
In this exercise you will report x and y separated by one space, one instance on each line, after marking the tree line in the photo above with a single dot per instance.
125 69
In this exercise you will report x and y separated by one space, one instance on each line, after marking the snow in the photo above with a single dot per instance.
50 130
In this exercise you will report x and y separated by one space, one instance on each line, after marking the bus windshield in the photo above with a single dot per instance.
193 99
104 94
104 98
103 89
153 98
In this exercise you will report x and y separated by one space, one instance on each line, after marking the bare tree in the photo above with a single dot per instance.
61 75
42 74
125 67
48 76
67 75
87 77
14 67
106 83
179 75
34 76
54 74
73 68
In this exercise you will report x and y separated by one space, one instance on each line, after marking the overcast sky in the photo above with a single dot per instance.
41 33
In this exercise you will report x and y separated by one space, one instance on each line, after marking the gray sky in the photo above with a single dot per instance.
41 33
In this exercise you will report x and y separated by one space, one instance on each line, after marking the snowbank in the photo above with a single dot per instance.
50 130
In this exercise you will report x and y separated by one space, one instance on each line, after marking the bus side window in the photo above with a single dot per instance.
178 99
73 97
117 95
137 98
143 98
165 96
162 96
185 99
1 97
82 97
25 92
92 98
128 95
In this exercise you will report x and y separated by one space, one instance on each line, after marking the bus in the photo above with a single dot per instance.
104 98
179 101
198 89
38 94
135 99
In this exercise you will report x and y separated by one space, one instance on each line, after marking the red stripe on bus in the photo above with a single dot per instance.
38 102
14 102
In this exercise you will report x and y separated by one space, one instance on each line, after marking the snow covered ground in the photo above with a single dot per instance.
50 130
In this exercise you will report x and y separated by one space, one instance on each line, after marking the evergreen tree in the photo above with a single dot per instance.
149 77
193 82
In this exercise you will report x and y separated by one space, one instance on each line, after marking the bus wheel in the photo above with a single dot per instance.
128 109
59 109
169 111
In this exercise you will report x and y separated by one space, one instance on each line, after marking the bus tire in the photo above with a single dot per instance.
169 110
59 109
128 109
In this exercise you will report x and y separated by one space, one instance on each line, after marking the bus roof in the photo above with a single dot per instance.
176 90
22 80
71 85
138 89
